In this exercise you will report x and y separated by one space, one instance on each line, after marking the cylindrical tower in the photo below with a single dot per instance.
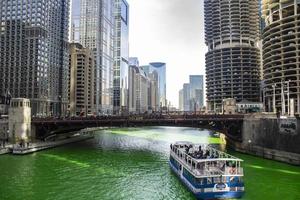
281 54
233 58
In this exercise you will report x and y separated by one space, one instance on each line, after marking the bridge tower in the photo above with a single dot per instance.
19 121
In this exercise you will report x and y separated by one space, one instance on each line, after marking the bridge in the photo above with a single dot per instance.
230 125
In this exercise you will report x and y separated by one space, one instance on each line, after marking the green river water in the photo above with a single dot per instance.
130 164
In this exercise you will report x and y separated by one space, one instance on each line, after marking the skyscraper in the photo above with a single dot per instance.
81 86
121 56
281 55
233 59
133 64
34 53
96 31
186 97
196 91
180 107
160 68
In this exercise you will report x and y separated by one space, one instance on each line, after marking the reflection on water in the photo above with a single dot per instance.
129 163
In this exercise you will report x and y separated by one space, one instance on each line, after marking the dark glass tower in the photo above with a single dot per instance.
34 53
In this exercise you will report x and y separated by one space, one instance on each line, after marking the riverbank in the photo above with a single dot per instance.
271 137
34 147
5 150
271 154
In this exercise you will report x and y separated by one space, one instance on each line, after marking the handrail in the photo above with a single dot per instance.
208 167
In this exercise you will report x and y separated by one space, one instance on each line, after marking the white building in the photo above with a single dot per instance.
20 120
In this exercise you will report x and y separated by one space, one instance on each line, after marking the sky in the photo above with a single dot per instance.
170 31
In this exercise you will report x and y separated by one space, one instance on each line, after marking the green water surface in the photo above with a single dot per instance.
130 164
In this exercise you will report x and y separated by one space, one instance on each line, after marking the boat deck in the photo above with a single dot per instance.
203 160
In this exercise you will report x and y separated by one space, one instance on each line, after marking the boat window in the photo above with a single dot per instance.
217 180
199 181
209 180
194 165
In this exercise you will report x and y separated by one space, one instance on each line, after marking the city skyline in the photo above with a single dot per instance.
149 99
169 36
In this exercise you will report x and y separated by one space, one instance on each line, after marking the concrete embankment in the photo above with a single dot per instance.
5 150
47 145
270 137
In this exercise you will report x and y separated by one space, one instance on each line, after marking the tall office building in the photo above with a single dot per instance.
96 31
121 57
75 21
34 53
133 64
154 92
233 59
186 97
160 68
140 90
191 96
281 55
180 103
196 92
81 81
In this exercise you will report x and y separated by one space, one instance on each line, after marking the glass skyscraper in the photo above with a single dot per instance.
34 53
121 56
196 91
94 28
160 68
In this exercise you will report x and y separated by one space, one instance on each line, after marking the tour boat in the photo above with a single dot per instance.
206 171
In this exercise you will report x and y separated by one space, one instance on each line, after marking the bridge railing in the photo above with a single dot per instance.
143 117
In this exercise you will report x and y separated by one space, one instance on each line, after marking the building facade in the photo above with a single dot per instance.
81 81
154 93
160 69
96 31
180 103
196 92
34 53
133 64
121 57
141 88
233 58
186 97
281 56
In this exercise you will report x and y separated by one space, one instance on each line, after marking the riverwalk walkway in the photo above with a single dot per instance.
5 150
38 146
34 147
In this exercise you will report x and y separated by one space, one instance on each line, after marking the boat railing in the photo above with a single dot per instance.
210 166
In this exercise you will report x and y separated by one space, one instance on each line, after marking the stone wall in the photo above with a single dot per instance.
271 137
3 129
